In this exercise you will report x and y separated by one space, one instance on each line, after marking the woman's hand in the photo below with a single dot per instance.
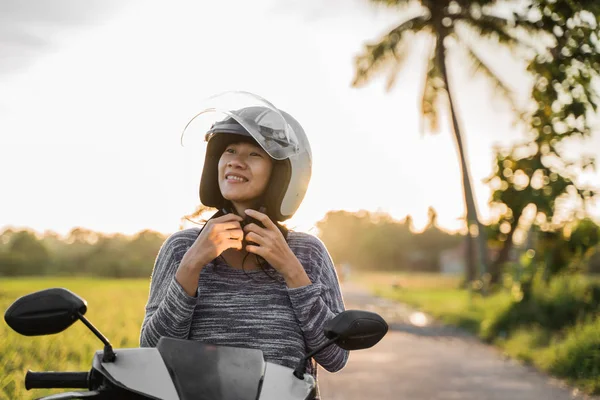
271 245
218 235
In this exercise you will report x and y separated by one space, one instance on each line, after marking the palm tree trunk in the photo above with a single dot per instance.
472 219
496 266
471 271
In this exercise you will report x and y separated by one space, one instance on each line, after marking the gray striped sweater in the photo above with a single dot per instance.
248 309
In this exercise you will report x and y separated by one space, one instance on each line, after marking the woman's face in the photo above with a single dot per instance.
244 172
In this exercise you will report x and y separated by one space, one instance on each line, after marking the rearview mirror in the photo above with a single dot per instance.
45 312
356 329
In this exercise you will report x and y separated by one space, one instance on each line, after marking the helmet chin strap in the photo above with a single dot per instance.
258 205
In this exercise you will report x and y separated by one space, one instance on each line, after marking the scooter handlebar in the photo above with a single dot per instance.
57 380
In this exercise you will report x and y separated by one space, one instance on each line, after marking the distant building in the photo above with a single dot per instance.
343 271
452 261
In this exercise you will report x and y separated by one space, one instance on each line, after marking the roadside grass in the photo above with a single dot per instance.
558 331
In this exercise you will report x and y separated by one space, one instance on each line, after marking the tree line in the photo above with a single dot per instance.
364 240
82 252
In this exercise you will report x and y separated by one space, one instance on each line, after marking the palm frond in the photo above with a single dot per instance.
479 66
390 51
493 27
433 86
392 3
520 21
529 34
395 69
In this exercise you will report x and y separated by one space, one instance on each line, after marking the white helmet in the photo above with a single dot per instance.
242 116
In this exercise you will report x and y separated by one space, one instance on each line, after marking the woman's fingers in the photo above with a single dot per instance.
258 250
236 234
227 221
224 226
255 238
233 243
227 218
256 229
264 218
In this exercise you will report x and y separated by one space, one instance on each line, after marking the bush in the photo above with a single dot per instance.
577 357
554 306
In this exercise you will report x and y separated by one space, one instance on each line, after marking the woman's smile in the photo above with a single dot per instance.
235 178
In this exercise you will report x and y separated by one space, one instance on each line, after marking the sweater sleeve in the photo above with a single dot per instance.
169 309
317 303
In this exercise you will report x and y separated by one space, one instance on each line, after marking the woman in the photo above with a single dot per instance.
253 285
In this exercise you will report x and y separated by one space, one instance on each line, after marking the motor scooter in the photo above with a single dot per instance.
177 369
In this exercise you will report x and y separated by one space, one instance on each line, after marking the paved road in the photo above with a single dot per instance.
431 362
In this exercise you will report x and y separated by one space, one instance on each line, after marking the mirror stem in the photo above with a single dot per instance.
109 355
299 371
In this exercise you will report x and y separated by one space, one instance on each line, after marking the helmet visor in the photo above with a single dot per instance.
261 119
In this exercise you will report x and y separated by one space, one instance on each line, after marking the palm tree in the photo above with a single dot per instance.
445 21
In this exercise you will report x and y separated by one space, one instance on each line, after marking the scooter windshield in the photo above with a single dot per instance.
206 372
261 119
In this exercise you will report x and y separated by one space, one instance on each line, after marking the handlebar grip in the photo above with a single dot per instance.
57 380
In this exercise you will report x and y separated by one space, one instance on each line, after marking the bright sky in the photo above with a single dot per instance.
89 129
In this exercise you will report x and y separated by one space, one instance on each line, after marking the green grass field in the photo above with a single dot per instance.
115 307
